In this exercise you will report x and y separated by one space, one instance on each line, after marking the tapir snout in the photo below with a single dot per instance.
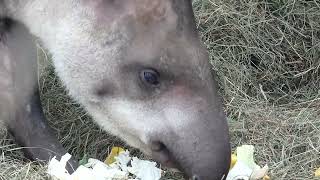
193 135
206 155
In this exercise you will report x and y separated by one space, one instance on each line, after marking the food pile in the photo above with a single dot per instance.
120 165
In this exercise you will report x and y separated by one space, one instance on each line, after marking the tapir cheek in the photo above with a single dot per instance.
184 96
180 109
180 91
177 92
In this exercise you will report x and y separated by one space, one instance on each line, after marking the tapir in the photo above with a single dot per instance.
138 68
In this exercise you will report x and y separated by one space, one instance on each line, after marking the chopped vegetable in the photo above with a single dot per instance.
84 160
115 167
244 167
233 160
317 173
115 151
266 177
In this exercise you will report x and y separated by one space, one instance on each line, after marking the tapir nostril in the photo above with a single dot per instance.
157 146
161 153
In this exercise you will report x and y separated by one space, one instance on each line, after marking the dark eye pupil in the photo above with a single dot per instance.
151 78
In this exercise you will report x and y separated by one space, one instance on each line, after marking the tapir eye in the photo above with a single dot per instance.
150 77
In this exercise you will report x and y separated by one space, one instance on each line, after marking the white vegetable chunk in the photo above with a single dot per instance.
97 170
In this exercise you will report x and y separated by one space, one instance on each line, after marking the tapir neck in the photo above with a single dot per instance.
39 16
46 19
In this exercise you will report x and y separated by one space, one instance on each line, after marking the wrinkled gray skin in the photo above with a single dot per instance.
100 48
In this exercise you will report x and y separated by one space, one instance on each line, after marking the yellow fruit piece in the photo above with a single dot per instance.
266 177
233 160
115 151
317 173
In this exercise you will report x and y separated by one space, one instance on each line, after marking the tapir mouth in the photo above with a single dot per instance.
161 154
205 162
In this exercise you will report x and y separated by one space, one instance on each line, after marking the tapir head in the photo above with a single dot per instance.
140 70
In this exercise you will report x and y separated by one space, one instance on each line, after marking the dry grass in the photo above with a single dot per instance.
266 53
